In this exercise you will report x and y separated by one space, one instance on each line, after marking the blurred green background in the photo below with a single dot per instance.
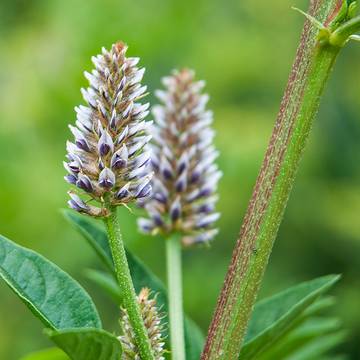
244 50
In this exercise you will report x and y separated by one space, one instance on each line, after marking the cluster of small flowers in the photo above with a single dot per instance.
153 325
109 161
106 161
185 175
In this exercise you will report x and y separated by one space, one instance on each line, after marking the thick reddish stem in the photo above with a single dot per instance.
268 202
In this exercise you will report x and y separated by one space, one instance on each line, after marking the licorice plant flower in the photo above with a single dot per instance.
185 175
106 161
182 205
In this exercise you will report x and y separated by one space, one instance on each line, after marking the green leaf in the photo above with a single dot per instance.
87 344
106 282
50 293
97 238
318 347
322 303
298 338
93 234
274 317
47 354
141 275
194 340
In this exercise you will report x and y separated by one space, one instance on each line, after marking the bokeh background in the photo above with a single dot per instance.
244 50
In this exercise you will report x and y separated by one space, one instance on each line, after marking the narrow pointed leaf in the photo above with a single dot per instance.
319 347
94 235
141 275
321 304
50 293
272 318
87 344
299 338
194 339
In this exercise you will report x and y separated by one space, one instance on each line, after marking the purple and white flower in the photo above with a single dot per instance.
107 160
183 160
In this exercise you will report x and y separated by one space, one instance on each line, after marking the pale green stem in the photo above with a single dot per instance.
174 279
124 280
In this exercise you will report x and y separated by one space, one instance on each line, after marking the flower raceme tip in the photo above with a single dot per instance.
183 161
107 160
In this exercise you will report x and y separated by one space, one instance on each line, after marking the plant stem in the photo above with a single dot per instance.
174 278
123 276
309 75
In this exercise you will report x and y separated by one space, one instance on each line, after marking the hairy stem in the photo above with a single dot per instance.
309 75
174 279
123 276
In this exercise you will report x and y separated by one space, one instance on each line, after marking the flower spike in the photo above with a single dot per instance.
106 160
185 175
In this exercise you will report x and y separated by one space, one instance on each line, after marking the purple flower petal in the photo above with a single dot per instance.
175 209
120 158
105 144
107 178
85 183
124 192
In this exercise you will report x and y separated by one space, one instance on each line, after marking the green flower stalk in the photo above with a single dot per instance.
153 324
182 206
107 161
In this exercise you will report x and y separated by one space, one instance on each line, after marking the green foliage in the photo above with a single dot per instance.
87 344
47 354
60 303
276 320
97 239
273 318
300 338
51 294
94 235
107 282
42 59
317 348
141 275
194 339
